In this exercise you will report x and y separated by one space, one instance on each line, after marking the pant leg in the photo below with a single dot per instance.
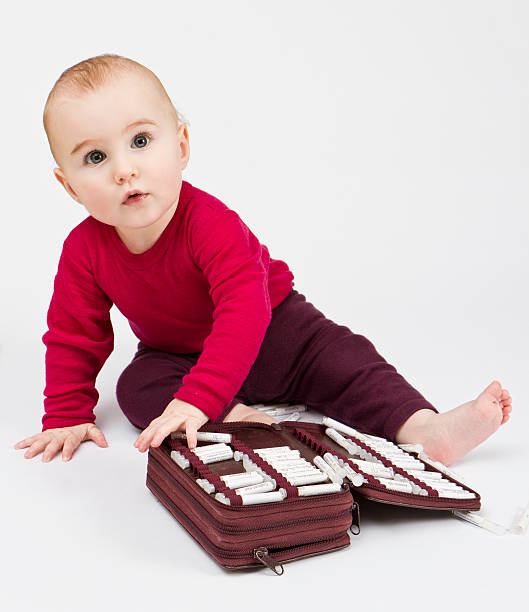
149 382
309 359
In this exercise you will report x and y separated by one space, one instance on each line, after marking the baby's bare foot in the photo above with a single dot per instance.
241 412
448 436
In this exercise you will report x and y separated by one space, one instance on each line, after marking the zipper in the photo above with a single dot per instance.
354 528
408 500
261 554
249 556
234 425
355 524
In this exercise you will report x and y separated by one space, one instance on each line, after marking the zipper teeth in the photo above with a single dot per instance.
226 529
440 506
437 502
397 495
280 549
364 491
240 425
293 548
249 555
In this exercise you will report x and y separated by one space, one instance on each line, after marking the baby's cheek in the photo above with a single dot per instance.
98 194
166 169
167 186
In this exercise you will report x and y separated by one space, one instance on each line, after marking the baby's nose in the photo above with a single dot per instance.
124 173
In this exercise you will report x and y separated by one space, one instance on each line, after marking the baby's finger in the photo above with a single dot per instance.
51 450
191 434
165 429
140 440
26 442
146 434
70 445
37 447
144 441
98 437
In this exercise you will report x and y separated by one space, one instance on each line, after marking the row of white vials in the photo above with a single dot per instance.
255 485
250 485
211 453
297 471
282 412
289 463
368 463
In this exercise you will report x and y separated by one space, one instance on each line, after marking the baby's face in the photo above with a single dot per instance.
117 139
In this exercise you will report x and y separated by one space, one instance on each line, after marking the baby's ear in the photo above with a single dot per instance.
183 138
59 175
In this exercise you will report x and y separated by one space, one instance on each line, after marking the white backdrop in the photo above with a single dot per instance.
380 149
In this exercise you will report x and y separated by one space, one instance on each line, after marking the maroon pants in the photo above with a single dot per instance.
305 358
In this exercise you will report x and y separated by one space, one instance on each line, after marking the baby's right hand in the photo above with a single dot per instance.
68 439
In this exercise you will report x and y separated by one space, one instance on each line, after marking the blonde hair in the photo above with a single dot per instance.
94 72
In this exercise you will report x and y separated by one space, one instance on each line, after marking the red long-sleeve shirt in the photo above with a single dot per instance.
207 285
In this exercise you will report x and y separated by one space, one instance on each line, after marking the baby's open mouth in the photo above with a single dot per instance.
136 196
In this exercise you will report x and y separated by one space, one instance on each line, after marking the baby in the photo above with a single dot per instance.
220 325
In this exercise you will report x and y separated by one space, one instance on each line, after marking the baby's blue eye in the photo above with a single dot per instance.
141 140
95 157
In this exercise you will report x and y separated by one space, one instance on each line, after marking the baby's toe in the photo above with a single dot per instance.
506 410
494 388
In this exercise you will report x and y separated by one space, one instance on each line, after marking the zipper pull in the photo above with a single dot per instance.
355 525
355 512
261 554
276 426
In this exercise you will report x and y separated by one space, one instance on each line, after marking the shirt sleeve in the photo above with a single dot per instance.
236 267
78 341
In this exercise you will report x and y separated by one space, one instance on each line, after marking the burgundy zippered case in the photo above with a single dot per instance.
270 534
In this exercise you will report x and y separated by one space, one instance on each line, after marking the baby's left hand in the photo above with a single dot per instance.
177 416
